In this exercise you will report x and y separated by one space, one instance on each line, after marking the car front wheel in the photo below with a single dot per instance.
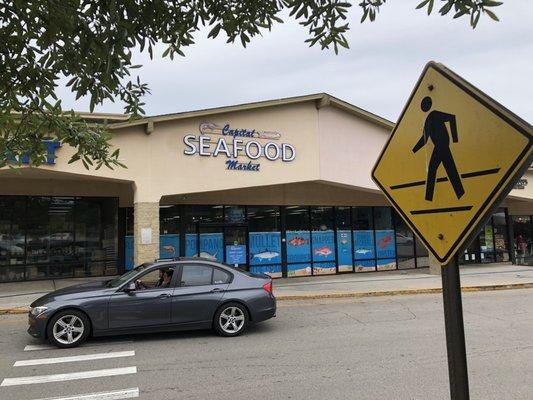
231 319
68 328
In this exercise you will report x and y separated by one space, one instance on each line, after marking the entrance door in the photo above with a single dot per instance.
471 254
236 246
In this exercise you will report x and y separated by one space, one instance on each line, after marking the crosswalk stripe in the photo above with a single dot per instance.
86 357
28 380
34 347
114 395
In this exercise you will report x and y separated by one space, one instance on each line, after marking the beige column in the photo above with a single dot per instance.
434 265
146 232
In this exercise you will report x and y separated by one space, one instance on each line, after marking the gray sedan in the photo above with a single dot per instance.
180 294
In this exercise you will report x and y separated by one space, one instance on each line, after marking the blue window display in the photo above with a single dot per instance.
128 252
298 270
344 250
265 248
323 246
365 265
385 244
298 246
324 268
273 270
386 264
169 245
363 245
211 246
191 244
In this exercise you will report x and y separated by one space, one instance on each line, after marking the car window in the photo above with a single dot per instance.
196 275
157 278
220 277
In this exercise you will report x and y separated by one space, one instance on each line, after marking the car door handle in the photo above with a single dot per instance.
163 296
217 290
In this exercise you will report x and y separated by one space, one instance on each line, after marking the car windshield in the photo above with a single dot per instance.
127 276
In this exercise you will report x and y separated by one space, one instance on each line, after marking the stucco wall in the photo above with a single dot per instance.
349 147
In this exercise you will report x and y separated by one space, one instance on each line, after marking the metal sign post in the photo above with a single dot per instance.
455 331
449 162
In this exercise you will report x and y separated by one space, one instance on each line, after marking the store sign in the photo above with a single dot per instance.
238 143
51 146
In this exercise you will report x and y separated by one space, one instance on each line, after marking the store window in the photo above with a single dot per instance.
53 237
501 242
422 255
384 239
298 241
12 238
364 248
264 233
323 241
344 239
211 238
235 214
523 239
169 228
405 244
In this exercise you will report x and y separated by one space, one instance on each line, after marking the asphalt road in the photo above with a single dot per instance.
372 348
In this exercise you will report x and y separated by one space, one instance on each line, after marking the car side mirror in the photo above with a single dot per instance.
130 287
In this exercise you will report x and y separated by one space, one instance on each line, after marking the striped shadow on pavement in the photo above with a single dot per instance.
99 373
114 395
34 347
87 357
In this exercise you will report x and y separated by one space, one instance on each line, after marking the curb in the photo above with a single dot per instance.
464 289
313 296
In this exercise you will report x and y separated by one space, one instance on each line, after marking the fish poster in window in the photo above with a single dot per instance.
298 246
274 271
211 246
326 268
365 265
386 264
323 246
191 244
294 270
385 244
363 243
344 251
265 248
169 246
128 252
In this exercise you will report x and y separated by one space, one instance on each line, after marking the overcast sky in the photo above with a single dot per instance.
377 73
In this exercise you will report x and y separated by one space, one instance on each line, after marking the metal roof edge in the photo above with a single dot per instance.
324 98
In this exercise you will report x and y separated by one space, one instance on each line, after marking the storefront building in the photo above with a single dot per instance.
281 187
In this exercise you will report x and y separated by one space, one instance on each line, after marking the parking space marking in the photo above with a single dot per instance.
86 357
114 395
35 347
99 373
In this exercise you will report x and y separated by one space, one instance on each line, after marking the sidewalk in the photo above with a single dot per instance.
16 297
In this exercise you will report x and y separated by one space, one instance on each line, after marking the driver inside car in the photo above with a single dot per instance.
151 283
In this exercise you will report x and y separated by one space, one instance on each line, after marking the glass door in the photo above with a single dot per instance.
236 246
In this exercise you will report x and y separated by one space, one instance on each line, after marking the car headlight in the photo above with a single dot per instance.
36 311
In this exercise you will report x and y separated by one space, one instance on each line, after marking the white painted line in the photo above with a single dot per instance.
33 347
28 380
114 395
86 357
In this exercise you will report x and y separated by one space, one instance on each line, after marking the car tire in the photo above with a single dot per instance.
68 328
231 319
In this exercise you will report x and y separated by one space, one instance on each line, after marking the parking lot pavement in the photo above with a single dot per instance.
366 348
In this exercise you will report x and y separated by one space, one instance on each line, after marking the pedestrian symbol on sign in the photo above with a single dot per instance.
435 129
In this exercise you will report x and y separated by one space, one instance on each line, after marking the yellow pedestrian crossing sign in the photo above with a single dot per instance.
453 156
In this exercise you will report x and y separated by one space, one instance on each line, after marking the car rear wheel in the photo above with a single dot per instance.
231 319
68 328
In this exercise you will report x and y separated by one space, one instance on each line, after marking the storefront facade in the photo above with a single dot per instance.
281 187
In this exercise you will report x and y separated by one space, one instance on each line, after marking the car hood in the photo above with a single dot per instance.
70 290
